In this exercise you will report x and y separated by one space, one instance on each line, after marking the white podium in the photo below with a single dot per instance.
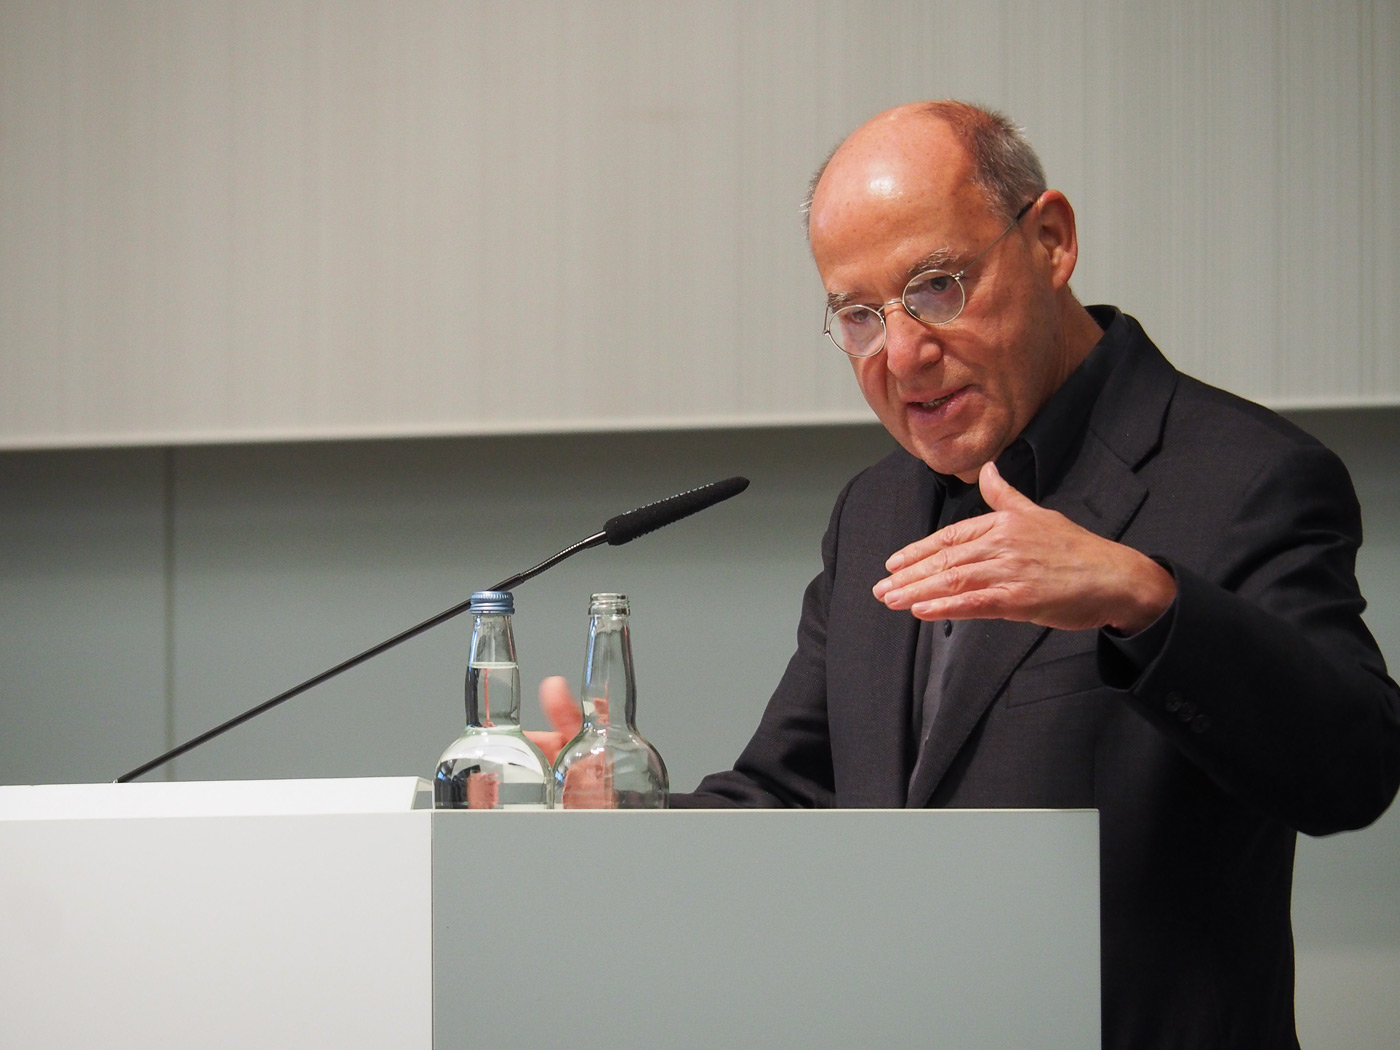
342 913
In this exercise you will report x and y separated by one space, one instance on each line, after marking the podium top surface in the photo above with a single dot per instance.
312 915
215 798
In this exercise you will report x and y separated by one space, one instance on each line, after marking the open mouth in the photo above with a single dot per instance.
936 402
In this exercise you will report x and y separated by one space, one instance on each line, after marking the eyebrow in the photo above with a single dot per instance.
939 259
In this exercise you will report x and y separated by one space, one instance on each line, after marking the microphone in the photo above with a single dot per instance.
627 527
623 528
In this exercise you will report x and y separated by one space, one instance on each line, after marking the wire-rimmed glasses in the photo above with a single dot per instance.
932 297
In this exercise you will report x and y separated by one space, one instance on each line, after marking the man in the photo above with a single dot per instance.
1087 580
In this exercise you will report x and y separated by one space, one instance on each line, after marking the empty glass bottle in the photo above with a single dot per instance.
492 765
608 765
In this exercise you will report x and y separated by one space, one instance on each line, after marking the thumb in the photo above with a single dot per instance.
997 492
563 712
559 706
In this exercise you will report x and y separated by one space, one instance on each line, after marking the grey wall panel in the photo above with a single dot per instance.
254 220
289 559
82 613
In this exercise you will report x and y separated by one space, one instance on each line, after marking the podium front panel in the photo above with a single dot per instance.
608 930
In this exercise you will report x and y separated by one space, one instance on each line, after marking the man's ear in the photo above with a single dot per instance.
1056 235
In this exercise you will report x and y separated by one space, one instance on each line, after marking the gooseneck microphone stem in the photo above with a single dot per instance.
618 530
354 661
512 582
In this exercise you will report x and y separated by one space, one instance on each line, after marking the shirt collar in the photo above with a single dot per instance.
1036 460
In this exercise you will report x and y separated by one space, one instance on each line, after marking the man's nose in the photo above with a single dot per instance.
910 345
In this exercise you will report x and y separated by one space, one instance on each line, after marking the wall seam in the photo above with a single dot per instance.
168 571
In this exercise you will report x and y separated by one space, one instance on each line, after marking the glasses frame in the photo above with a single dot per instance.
903 303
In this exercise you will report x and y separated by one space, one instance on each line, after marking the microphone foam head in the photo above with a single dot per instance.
627 527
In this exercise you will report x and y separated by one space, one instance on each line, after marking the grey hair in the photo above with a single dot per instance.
1004 163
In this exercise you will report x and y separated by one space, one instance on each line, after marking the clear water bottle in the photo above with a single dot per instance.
492 765
609 765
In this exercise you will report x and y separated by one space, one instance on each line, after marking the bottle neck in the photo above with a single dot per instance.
609 694
493 676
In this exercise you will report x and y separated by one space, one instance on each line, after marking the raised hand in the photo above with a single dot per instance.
1024 562
589 782
562 710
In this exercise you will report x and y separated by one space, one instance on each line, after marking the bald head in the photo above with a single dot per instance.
1002 163
888 165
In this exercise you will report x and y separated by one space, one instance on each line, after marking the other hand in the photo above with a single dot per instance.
1024 562
589 782
562 710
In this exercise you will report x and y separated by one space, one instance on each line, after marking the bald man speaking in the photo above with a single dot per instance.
1085 580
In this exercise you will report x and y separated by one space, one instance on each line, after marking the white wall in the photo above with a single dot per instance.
261 219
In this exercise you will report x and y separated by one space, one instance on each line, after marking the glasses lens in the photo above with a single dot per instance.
934 297
857 330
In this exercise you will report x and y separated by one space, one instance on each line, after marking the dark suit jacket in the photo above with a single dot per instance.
1266 710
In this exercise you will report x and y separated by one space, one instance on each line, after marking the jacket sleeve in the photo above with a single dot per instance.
1268 680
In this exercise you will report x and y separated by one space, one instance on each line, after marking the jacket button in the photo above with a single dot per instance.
1200 723
1173 702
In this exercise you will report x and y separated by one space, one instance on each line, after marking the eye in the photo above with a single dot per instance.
855 329
933 296
857 316
934 283
855 322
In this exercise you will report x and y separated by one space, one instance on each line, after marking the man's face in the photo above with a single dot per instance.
957 394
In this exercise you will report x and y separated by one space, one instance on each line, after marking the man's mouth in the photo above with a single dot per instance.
937 402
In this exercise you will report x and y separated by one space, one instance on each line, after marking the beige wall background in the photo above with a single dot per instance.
274 219
314 317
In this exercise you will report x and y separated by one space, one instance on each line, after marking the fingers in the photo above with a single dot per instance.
937 572
559 706
944 539
975 603
983 579
562 710
953 563
973 589
997 493
939 559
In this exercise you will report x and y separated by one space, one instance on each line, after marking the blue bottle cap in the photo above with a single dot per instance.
493 602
